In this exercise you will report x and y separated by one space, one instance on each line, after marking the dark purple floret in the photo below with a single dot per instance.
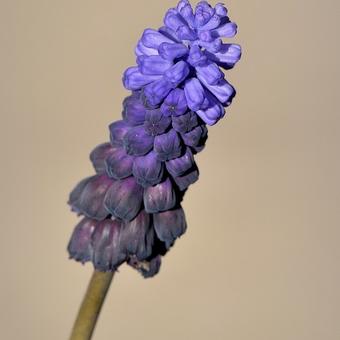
194 137
156 122
80 246
170 225
185 123
168 146
98 156
137 142
108 253
174 104
148 170
137 236
119 163
186 180
124 199
90 196
160 197
117 132
133 110
179 166
76 192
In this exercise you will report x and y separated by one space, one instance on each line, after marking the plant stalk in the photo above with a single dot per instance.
92 303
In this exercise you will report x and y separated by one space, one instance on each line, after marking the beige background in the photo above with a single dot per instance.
261 256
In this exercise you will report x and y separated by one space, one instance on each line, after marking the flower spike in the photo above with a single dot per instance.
131 207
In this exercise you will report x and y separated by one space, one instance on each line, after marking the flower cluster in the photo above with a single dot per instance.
178 66
132 206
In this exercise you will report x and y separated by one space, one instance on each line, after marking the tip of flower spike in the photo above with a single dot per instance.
187 53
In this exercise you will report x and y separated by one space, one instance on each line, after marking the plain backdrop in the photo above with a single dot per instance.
260 259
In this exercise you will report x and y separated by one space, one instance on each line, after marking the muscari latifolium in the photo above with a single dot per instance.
131 208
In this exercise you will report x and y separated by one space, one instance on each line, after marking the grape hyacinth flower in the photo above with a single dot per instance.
131 208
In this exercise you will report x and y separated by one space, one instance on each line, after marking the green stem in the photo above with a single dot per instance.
91 306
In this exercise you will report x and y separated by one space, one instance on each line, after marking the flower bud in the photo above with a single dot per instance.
210 72
221 10
203 13
152 38
213 113
186 33
133 79
194 93
213 23
186 12
171 51
173 20
223 91
196 56
228 56
155 92
177 73
153 65
141 49
227 30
